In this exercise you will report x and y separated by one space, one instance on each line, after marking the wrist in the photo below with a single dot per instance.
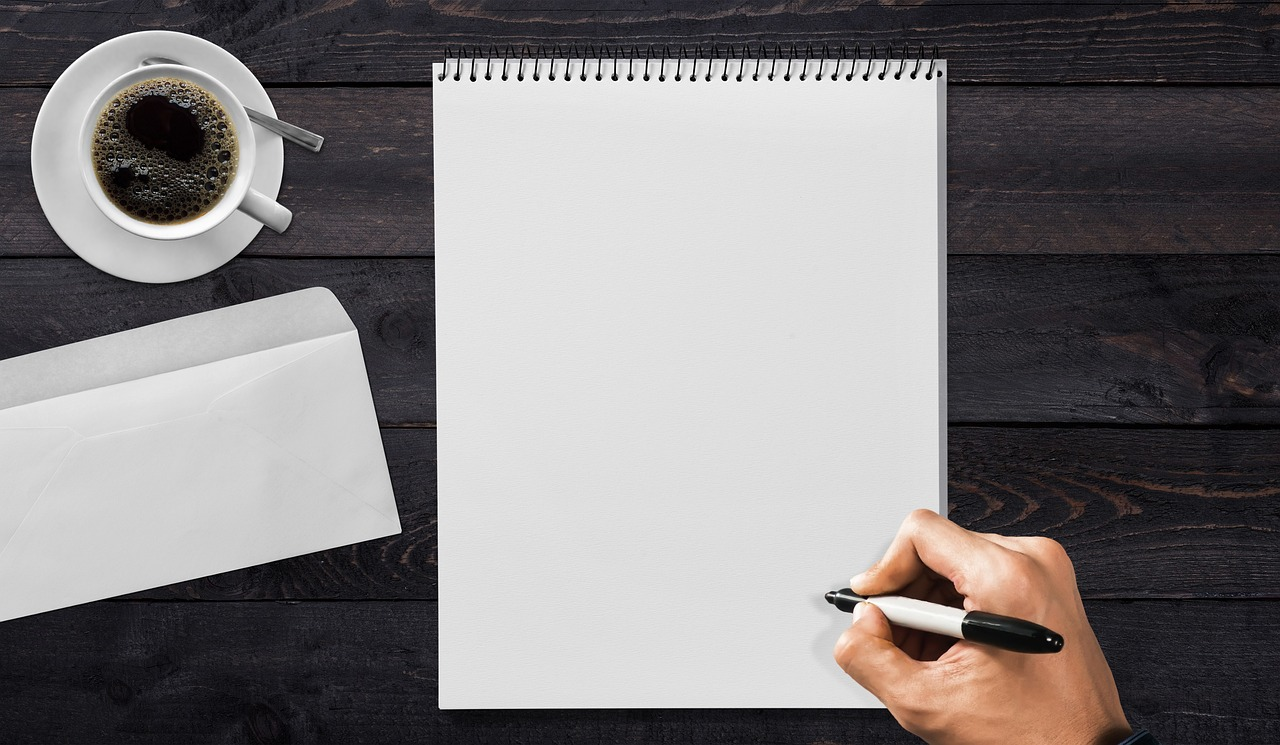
1109 730
1115 734
1084 729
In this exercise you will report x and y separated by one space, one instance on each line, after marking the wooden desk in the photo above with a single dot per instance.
1114 360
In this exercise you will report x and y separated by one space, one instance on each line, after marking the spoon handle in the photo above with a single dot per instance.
292 133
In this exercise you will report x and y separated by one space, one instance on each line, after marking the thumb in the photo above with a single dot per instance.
866 652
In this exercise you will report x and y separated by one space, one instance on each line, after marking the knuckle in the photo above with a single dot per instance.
1049 552
917 518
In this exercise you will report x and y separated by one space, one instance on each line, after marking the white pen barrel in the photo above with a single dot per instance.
918 614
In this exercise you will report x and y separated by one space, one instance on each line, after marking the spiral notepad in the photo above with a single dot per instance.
690 358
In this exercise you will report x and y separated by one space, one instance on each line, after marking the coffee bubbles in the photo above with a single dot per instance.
164 150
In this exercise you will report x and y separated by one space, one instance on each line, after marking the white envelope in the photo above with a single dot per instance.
190 447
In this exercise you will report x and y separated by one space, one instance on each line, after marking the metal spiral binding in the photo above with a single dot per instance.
619 62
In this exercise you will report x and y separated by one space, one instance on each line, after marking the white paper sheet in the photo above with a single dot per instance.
690 351
185 448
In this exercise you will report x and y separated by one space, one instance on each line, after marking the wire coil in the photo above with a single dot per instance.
737 61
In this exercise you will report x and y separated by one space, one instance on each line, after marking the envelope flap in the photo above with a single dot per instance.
320 411
29 458
172 345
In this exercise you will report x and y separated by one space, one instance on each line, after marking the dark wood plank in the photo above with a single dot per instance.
1032 170
366 672
1143 513
371 41
367 193
1106 339
49 302
1171 660
1138 510
1113 170
1145 339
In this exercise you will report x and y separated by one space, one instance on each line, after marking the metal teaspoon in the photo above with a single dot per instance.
290 132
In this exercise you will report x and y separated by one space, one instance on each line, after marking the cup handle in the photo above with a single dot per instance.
266 210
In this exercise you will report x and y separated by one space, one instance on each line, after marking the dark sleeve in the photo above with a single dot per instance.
1139 737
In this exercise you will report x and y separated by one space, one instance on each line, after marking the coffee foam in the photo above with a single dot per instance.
145 179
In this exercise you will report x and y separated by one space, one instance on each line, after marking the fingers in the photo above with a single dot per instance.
933 645
866 652
910 640
926 541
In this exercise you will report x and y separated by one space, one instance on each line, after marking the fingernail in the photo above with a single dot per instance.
856 579
858 610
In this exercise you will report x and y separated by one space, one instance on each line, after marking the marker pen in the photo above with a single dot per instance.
1003 632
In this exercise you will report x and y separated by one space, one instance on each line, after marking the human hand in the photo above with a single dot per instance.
954 692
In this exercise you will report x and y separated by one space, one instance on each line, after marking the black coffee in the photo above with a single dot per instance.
165 150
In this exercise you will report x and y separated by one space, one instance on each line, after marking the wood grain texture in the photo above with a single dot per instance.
367 193
327 41
1138 510
1114 339
1108 170
1143 513
1047 339
51 302
366 672
1031 170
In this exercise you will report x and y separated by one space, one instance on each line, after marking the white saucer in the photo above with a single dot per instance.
61 189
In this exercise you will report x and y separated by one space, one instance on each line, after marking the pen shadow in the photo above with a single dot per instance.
824 643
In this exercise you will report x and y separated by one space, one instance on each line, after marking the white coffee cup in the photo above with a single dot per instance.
239 195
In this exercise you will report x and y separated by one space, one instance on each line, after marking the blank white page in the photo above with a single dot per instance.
690 349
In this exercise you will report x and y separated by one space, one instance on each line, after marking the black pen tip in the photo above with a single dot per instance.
831 597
